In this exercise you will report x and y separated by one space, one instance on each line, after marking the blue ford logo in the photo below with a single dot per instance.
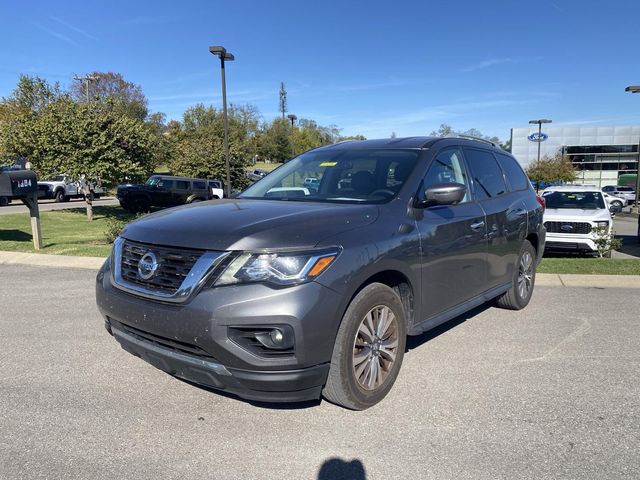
566 228
147 266
538 137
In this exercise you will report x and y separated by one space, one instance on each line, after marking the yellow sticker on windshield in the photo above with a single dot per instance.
328 164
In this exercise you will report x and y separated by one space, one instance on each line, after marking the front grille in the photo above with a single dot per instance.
170 344
581 228
174 264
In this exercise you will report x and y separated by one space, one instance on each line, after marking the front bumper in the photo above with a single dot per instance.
570 242
191 341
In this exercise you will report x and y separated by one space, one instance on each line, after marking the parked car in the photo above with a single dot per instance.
628 193
616 202
571 215
280 298
167 191
257 174
62 188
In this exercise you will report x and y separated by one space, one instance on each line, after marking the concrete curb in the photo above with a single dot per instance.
542 279
42 260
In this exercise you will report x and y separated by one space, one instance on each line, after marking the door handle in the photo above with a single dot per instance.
477 225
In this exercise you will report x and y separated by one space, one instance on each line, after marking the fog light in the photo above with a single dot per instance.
276 336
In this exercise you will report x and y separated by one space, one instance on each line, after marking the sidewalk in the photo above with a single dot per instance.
542 279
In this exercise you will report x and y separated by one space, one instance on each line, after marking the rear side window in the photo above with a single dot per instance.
199 185
182 185
215 185
486 173
517 178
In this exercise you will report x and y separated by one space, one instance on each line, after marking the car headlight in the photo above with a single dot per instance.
602 224
277 268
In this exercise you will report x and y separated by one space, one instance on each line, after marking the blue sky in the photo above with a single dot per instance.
369 67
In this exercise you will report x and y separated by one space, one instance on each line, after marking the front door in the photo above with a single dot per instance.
452 240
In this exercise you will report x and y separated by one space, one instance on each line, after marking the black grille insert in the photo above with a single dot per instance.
581 228
170 344
174 264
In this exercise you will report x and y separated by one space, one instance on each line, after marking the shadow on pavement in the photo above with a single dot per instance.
630 245
418 340
338 469
15 236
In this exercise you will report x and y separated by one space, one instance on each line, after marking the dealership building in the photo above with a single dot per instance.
601 155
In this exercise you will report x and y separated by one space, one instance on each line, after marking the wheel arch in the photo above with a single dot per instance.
397 281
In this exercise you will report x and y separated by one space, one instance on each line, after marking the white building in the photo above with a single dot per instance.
601 155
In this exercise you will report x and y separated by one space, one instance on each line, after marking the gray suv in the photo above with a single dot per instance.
287 293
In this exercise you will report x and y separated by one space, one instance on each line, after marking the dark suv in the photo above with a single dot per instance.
286 293
164 191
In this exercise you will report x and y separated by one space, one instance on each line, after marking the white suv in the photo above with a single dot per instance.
572 213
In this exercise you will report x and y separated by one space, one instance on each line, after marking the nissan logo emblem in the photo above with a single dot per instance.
147 266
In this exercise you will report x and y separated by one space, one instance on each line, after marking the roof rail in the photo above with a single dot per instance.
477 139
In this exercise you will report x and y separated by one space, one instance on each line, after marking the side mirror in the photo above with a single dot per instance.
444 194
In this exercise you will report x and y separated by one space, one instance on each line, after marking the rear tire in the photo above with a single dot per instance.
524 279
140 205
369 349
4 201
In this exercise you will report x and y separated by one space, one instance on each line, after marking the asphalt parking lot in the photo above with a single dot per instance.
548 392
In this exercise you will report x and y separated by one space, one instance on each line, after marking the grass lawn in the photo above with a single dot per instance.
64 232
262 166
590 266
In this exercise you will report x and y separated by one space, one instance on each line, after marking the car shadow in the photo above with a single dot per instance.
338 469
416 341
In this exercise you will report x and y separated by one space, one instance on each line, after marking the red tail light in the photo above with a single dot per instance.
541 202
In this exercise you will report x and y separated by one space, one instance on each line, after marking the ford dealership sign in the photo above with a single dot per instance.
538 137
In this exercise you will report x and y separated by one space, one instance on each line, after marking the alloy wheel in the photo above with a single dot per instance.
525 274
375 347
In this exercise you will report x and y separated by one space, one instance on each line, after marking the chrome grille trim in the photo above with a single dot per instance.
193 280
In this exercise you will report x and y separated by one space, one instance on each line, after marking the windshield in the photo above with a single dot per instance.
152 181
350 176
58 178
575 200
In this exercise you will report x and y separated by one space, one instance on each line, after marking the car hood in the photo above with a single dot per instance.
574 214
236 224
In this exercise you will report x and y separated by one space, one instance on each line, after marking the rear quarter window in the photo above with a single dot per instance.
199 185
516 177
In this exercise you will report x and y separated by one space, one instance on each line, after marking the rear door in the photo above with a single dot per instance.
452 240
505 212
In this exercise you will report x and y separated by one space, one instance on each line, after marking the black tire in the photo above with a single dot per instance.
516 298
617 204
59 196
344 386
4 201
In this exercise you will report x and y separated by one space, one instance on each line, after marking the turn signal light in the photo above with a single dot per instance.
321 265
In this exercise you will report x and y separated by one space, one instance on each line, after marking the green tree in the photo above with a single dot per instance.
198 146
447 131
550 169
111 88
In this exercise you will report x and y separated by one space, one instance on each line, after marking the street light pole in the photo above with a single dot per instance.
222 53
293 118
539 123
86 79
636 89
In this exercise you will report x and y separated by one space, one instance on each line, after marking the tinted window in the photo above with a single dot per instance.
486 174
200 185
447 167
215 185
182 185
517 178
165 183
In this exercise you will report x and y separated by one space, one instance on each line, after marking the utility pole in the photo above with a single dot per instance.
86 79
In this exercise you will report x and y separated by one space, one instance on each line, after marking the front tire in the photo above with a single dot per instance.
60 196
524 279
369 349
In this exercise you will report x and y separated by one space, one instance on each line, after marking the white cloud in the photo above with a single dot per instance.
487 63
